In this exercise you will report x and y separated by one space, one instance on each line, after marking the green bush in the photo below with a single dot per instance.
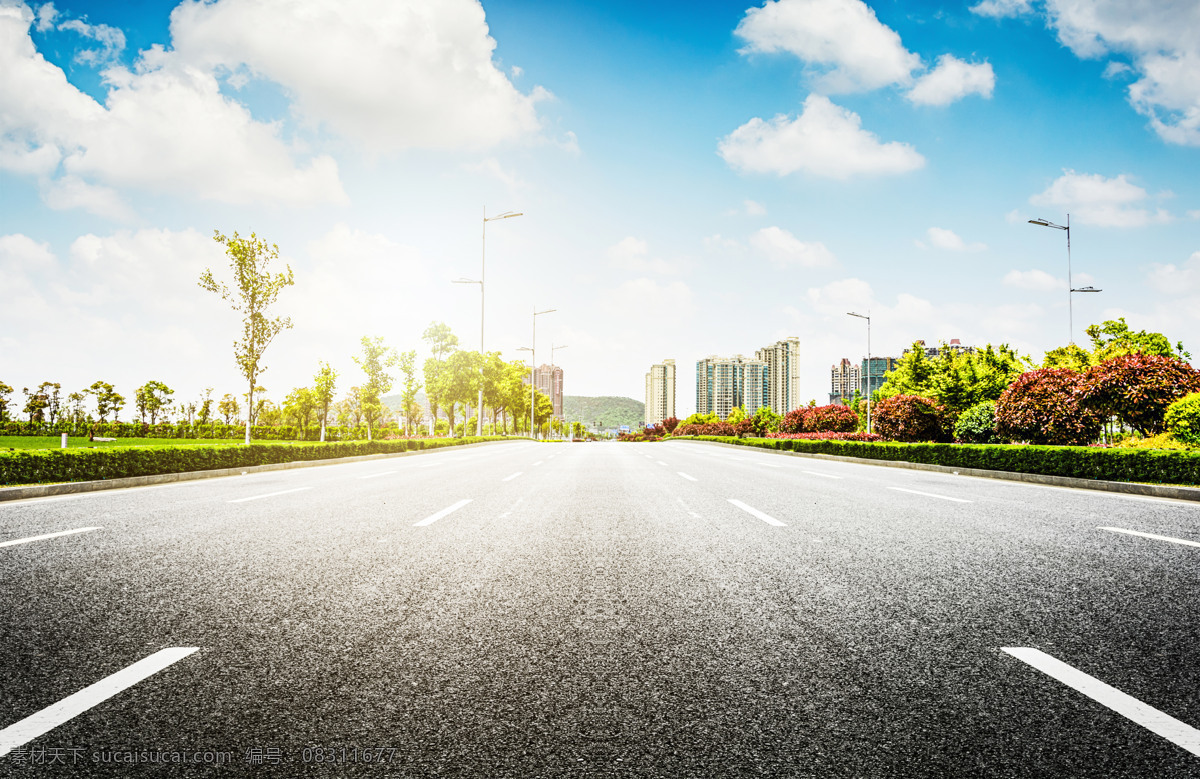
1080 462
977 425
34 466
1182 419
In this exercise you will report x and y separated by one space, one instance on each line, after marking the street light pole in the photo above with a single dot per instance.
1070 285
533 371
868 318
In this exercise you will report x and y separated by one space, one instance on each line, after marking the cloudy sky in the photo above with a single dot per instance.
696 178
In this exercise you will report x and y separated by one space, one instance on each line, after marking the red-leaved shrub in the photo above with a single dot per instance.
828 436
834 418
1045 407
910 418
1138 388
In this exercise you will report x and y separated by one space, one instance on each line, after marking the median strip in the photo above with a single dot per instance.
1136 533
49 535
444 512
1179 733
72 706
269 495
756 513
930 495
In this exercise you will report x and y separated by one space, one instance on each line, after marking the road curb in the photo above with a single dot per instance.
73 487
1122 487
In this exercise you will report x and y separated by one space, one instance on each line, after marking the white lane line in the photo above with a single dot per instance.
660 462
1179 733
432 465
930 495
818 473
269 495
515 475
756 513
448 510
375 475
49 535
539 462
684 475
770 465
1132 533
72 706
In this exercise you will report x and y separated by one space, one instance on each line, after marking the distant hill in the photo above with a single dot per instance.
608 410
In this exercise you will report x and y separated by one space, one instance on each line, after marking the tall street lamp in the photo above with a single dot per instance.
868 318
552 348
533 372
1071 289
482 276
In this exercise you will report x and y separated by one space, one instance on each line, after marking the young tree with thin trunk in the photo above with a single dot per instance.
408 398
255 292
375 360
323 385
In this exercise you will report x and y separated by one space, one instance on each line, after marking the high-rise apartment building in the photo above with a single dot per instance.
549 382
783 374
660 392
844 380
724 383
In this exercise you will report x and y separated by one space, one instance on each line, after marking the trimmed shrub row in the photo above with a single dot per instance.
36 466
208 430
1132 465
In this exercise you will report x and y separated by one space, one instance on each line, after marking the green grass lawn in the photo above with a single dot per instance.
54 442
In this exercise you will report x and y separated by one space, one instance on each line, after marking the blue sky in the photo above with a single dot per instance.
696 179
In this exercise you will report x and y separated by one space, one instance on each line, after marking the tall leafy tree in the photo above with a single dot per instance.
152 398
204 413
299 405
255 292
460 383
107 400
36 401
324 384
408 396
441 342
957 380
1113 338
374 361
5 391
228 408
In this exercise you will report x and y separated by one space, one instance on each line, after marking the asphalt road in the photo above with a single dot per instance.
593 610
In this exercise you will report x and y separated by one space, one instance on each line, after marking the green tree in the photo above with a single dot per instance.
736 415
441 342
5 391
107 401
36 401
151 398
1070 357
75 411
256 291
324 383
460 382
375 360
408 396
1113 338
204 414
53 392
299 405
957 380
228 408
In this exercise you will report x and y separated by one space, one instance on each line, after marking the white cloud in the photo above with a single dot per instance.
633 254
942 238
1034 280
492 167
111 40
73 192
1163 39
1096 200
164 128
844 35
1177 280
46 14
754 209
1114 69
825 140
952 80
1000 9
386 74
784 250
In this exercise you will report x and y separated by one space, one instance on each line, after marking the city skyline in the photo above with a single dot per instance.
692 179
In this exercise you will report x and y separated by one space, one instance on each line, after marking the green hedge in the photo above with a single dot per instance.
1157 466
35 466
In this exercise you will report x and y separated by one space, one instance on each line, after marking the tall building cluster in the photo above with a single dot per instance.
549 381
868 376
771 378
660 392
